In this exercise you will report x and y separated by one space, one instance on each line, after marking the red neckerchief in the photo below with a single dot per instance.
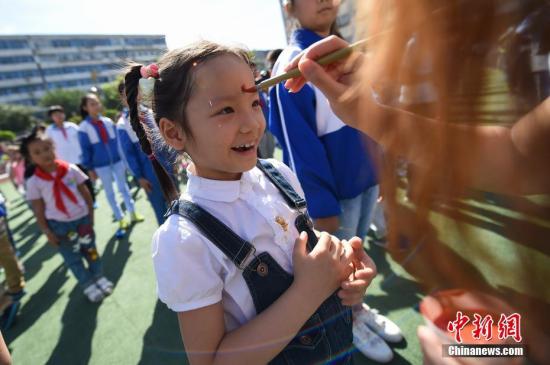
63 131
59 186
102 130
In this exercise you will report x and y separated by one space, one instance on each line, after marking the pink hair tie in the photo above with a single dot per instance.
152 157
150 71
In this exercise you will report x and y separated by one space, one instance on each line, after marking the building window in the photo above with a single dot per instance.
15 59
13 44
67 43
18 74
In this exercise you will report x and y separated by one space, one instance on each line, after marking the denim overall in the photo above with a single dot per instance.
327 336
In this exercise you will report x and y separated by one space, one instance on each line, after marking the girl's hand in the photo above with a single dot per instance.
52 238
93 175
320 272
353 290
334 80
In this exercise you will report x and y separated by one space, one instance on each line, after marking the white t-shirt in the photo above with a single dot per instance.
193 273
38 188
66 148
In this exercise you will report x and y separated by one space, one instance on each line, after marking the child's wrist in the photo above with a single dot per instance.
307 298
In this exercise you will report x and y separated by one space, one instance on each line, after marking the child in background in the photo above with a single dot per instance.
321 150
65 137
100 155
15 281
231 258
16 169
138 162
63 208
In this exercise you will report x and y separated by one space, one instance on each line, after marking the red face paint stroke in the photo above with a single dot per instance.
252 89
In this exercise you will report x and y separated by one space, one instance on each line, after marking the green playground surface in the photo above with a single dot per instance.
56 324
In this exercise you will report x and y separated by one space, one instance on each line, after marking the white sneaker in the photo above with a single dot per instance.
380 324
94 294
370 344
105 285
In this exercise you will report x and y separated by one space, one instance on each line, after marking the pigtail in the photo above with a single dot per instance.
131 87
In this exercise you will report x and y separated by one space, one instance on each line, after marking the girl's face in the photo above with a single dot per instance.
42 153
316 15
226 123
58 117
93 106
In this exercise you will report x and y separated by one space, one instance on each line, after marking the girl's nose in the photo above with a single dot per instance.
249 123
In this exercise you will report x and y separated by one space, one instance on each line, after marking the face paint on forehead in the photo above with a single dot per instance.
244 90
251 89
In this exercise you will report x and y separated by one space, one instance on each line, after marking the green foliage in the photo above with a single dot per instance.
110 96
8 136
68 99
16 118
111 113
75 119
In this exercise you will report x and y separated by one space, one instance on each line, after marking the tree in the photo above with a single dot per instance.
111 97
68 99
16 118
8 136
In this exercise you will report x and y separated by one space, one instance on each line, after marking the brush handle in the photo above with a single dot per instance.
323 61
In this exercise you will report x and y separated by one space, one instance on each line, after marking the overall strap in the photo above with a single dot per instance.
291 196
303 221
233 246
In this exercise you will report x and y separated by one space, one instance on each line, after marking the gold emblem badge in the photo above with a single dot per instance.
281 221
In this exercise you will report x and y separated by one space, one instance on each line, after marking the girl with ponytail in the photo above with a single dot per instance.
237 256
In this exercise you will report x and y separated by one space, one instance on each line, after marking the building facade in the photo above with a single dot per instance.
32 65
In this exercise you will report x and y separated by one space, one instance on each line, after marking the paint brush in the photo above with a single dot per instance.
323 61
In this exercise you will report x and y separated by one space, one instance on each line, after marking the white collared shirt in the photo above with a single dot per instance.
193 273
66 148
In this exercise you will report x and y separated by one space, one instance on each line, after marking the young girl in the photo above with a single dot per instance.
232 258
100 156
320 149
16 167
63 208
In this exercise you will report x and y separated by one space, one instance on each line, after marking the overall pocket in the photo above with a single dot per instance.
310 346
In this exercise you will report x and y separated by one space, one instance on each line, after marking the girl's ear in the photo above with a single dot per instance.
172 133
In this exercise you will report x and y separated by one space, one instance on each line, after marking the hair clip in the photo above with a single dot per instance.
151 70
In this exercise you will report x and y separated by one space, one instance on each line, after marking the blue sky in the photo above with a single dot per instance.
255 23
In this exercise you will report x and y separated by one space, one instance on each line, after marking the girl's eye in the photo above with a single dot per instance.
256 103
226 110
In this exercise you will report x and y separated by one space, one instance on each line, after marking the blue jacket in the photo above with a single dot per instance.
330 159
95 153
138 162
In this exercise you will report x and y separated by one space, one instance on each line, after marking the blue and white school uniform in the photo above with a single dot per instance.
104 159
330 159
139 164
